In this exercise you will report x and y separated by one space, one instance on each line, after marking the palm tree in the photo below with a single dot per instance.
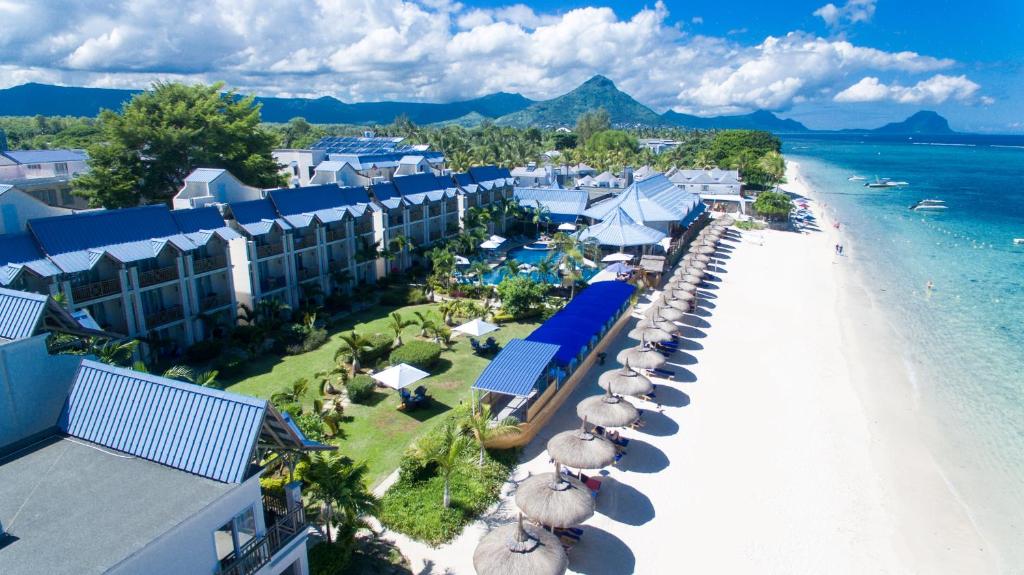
447 450
541 213
479 425
354 346
293 394
397 323
423 320
773 166
340 485
546 268
443 335
447 309
113 352
398 246
511 266
480 269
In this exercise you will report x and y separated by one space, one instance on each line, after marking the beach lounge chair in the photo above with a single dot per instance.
662 373
592 483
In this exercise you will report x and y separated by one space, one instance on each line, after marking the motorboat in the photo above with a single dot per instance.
929 205
885 183
856 178
1018 241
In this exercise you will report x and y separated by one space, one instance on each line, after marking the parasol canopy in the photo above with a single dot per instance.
625 381
567 227
658 322
641 357
607 410
666 312
518 549
651 334
399 376
617 257
581 449
555 500
476 327
680 300
690 278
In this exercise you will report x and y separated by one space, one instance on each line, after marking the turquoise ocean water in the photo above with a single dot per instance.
965 340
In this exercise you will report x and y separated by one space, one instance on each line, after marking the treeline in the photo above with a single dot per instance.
142 153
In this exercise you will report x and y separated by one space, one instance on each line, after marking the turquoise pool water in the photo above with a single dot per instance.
525 255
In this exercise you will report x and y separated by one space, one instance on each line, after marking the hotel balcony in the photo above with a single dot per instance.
283 527
210 302
209 264
95 290
158 276
160 317
335 235
268 250
308 274
272 283
305 242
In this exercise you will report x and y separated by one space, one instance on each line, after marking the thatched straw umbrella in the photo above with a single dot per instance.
651 334
696 264
607 410
691 279
703 258
698 273
625 381
685 287
518 549
581 449
681 300
663 311
642 357
555 500
704 250
658 322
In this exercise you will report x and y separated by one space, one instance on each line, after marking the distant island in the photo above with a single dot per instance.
501 108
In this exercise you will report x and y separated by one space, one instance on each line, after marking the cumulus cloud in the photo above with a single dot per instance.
852 12
430 50
934 90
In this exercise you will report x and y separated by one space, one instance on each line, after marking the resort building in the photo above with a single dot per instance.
18 207
534 176
654 202
707 181
135 473
45 174
356 161
147 272
205 186
658 145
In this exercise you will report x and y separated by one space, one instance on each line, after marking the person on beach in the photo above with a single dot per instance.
929 286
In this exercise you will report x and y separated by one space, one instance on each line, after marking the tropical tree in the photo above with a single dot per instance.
354 346
161 135
447 449
424 321
511 266
480 426
547 268
540 213
397 323
293 394
773 205
480 269
113 352
340 485
773 167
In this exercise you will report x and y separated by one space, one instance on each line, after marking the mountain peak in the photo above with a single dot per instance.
599 81
922 122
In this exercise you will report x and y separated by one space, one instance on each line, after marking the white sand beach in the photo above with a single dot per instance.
789 441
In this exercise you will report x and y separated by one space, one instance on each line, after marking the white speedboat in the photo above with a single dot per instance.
856 178
1018 241
929 205
886 183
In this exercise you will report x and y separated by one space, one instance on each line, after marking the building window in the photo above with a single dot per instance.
67 198
60 168
33 167
233 535
705 188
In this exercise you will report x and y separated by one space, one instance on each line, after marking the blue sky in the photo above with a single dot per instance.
832 64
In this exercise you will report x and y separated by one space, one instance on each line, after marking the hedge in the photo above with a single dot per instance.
417 353
359 388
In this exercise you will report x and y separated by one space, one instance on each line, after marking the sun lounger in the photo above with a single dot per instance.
662 373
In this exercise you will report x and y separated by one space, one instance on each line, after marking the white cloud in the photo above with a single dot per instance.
852 12
935 90
436 50
697 20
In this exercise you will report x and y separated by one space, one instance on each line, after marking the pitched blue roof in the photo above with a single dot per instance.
462 178
20 250
619 230
484 174
311 199
197 219
256 217
558 202
20 313
207 432
387 194
45 156
516 369
91 230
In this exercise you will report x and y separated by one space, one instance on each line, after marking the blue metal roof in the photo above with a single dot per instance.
487 174
516 369
90 230
188 427
462 178
19 251
205 175
699 209
387 194
20 313
619 230
558 202
312 199
197 219
45 156
573 327
256 217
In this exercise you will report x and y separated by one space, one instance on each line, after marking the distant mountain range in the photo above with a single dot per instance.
503 108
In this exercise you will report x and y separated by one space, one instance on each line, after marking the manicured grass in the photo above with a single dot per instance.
378 433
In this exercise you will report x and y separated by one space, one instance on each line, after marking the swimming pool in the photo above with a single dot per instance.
526 255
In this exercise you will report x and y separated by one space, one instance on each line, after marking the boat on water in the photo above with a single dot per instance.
929 205
1018 241
856 178
885 183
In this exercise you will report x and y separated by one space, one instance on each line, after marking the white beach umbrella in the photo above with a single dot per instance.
496 239
489 245
399 376
617 257
567 227
476 327
666 312
461 261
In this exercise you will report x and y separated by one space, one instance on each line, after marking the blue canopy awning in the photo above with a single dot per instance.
516 369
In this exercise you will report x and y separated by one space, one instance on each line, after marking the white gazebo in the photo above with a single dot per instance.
476 327
400 376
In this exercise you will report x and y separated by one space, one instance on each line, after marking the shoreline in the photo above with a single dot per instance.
938 532
789 441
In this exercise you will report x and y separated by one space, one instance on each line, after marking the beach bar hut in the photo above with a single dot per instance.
517 378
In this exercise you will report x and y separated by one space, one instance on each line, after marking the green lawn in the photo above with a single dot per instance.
378 433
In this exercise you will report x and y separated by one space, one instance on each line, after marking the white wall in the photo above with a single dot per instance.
17 207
